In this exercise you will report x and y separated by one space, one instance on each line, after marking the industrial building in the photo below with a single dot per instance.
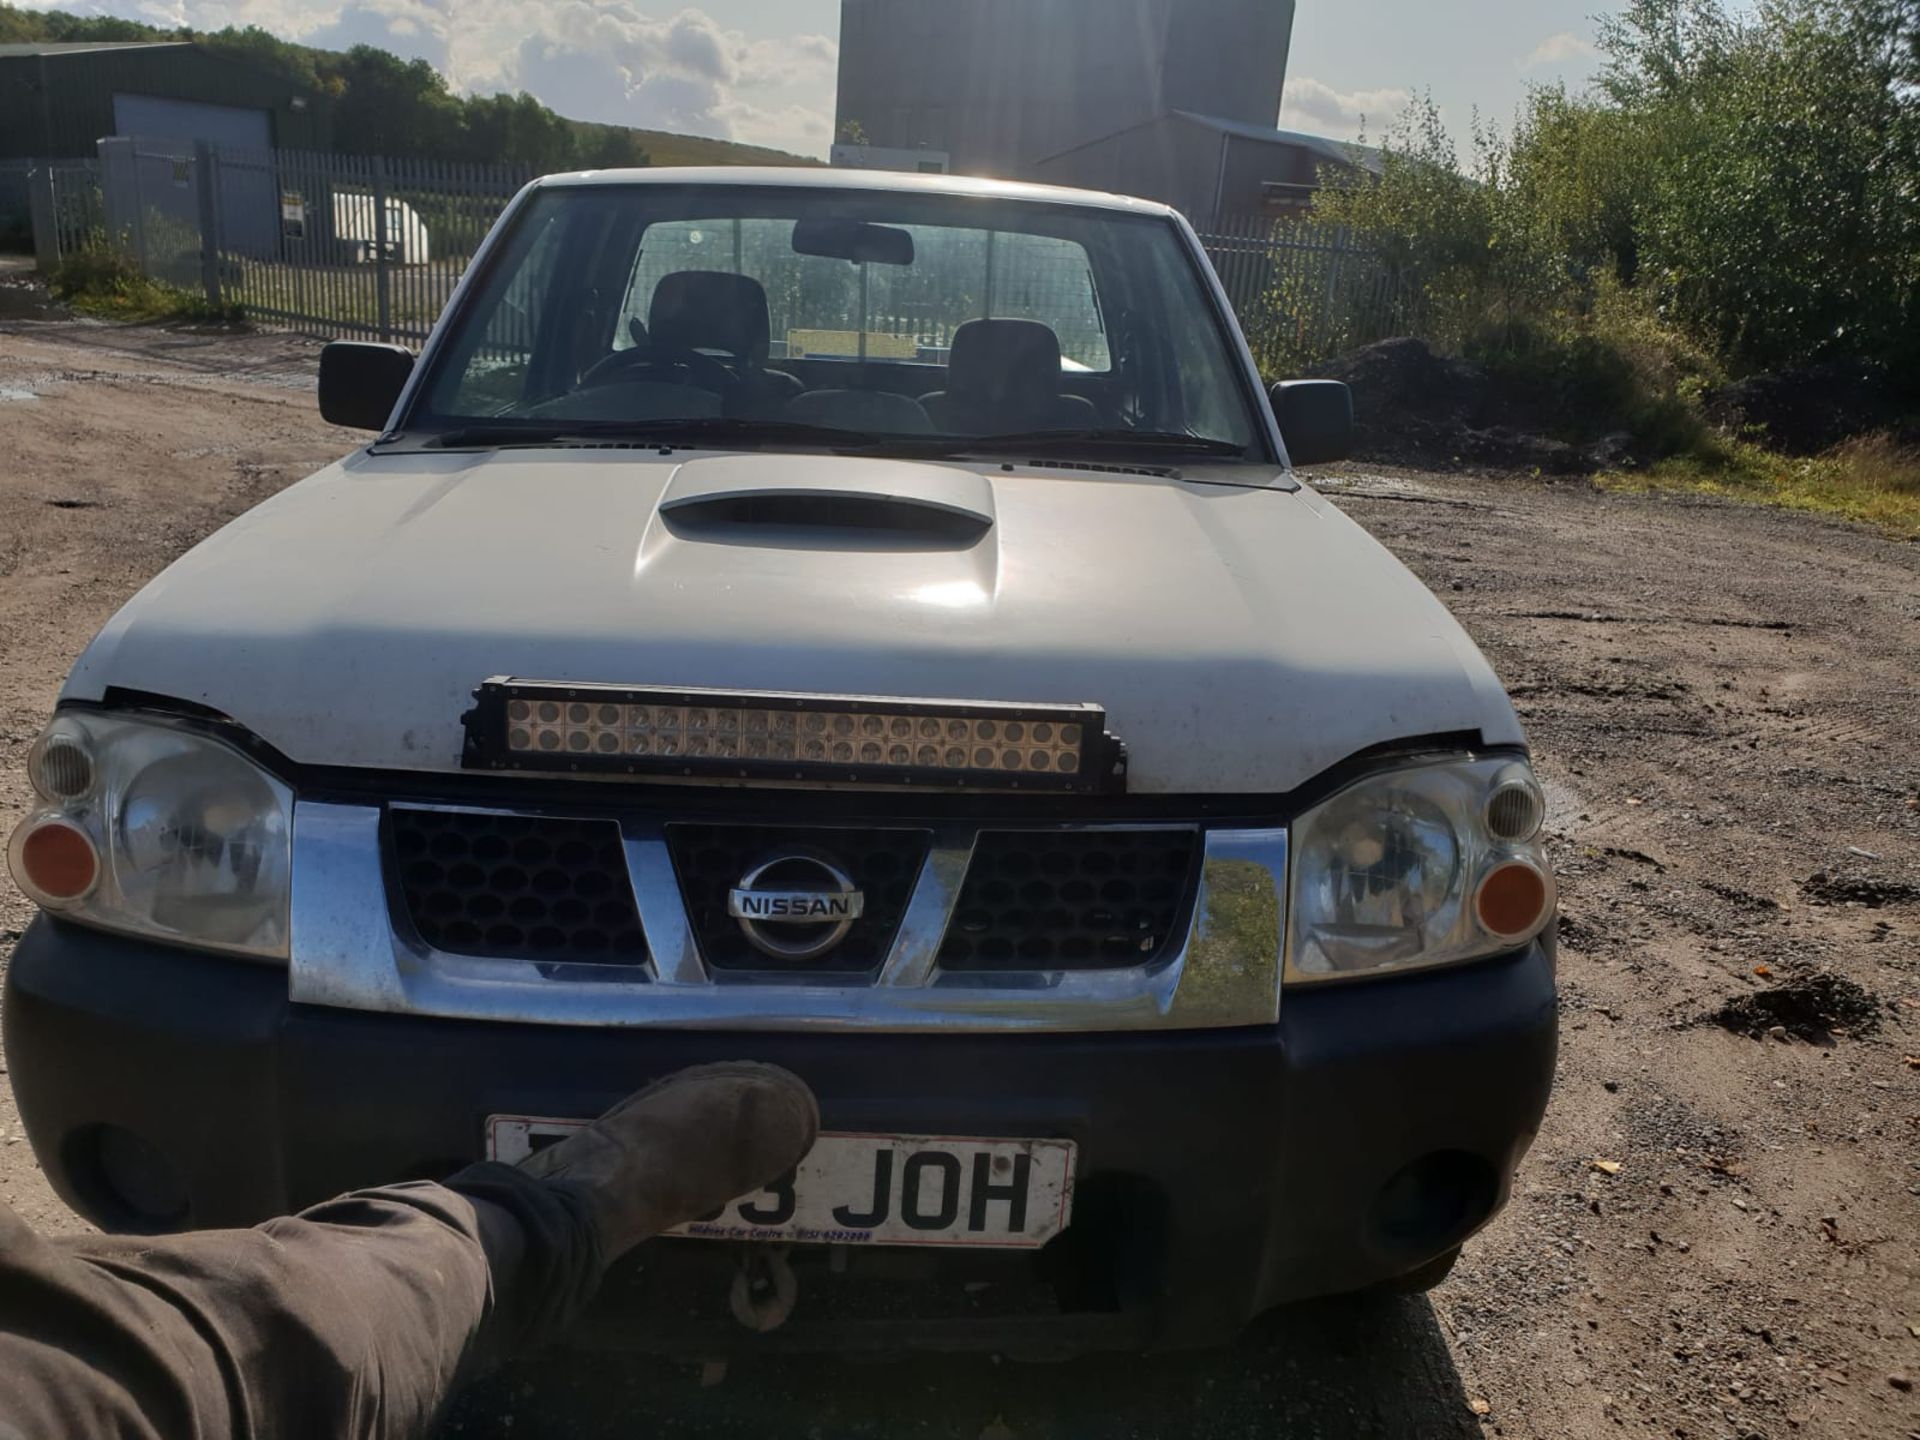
60 101
1174 100
57 101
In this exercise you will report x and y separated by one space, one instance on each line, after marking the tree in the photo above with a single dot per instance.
390 106
1755 182
1662 49
382 105
1784 223
19 27
607 147
516 130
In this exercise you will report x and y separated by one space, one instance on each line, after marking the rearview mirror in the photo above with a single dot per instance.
853 240
360 382
1316 420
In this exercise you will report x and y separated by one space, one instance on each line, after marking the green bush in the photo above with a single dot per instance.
1612 365
101 280
1737 194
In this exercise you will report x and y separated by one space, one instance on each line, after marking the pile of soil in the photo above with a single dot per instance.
1806 412
1811 1009
1414 407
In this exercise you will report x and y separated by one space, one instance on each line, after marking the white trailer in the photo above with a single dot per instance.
354 227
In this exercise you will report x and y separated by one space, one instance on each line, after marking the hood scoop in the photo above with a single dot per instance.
811 500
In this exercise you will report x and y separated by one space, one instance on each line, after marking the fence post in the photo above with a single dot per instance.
203 163
381 280
44 210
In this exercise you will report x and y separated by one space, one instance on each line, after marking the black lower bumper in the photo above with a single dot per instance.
1221 1172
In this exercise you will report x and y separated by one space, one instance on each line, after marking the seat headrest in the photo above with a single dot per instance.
994 361
710 310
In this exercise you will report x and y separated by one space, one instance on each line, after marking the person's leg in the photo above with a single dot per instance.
351 1319
357 1317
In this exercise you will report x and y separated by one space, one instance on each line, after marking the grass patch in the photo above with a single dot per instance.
101 282
1873 480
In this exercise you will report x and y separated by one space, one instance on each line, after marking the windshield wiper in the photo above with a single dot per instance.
706 430
1170 442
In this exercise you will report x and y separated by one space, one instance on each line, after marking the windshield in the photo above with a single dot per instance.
871 317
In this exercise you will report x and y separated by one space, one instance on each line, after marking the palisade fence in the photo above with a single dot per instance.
55 202
346 246
1306 291
332 245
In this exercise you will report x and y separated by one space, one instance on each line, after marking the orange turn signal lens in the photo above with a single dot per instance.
1512 900
57 862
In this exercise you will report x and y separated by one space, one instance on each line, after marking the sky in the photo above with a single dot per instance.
762 71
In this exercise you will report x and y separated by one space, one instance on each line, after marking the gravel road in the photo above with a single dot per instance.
1718 1233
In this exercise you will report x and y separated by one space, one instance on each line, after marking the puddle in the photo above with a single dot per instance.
24 300
14 392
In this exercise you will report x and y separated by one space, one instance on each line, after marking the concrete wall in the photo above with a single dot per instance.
1167 158
1000 84
1227 58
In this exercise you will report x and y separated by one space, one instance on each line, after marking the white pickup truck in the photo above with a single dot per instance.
871 623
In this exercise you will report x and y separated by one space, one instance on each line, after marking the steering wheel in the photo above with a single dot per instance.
655 362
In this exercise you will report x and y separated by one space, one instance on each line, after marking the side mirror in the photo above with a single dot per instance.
1316 420
361 382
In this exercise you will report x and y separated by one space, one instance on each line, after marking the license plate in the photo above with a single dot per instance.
876 1189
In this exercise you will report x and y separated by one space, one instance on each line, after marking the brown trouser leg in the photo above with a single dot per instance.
353 1319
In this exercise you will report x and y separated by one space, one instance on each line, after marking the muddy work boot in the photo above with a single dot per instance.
682 1148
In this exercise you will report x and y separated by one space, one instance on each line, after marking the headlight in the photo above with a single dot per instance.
1431 865
156 829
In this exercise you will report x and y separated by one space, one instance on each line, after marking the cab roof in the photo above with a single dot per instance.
760 177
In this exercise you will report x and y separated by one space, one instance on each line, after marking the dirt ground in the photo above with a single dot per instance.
1718 1233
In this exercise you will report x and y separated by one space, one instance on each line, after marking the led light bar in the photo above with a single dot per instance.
550 726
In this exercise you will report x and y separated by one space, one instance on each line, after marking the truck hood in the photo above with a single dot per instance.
1241 638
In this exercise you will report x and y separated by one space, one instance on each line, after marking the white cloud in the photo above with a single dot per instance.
1557 50
1343 114
589 59
798 128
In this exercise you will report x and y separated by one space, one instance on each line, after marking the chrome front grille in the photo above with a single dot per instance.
522 914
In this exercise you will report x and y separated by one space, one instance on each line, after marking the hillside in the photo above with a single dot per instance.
665 148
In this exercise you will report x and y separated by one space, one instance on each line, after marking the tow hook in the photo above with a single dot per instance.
764 1288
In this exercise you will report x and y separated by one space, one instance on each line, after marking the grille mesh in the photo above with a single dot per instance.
1089 900
517 887
711 859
